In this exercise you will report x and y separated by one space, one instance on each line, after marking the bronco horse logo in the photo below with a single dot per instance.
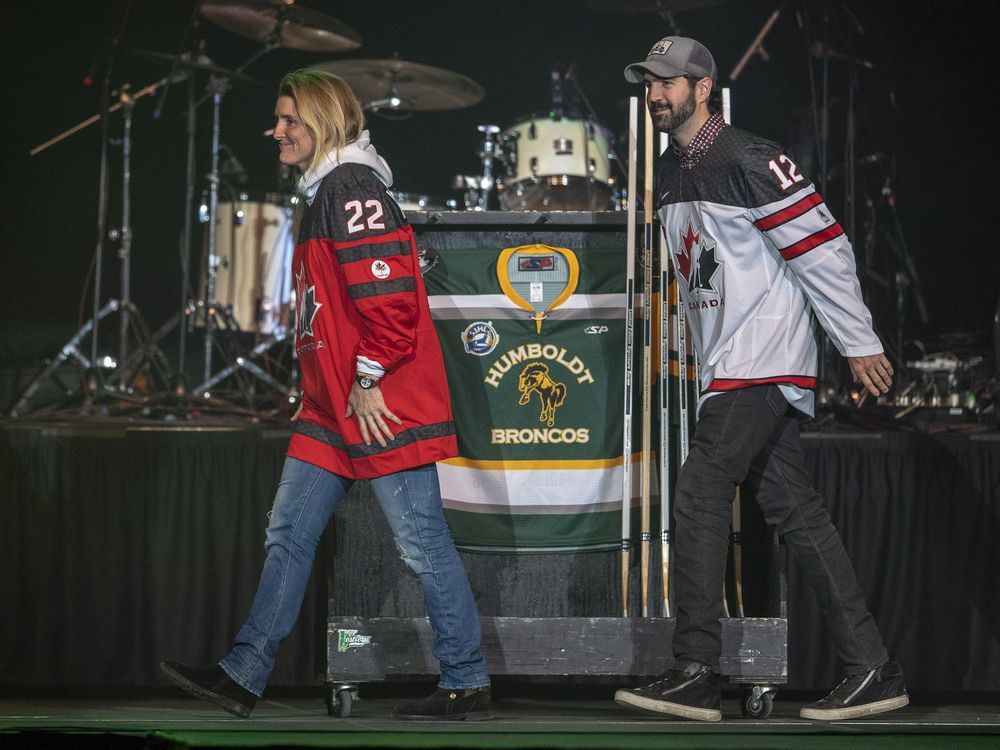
535 377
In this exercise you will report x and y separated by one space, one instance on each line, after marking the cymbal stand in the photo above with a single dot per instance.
131 322
217 88
578 88
487 152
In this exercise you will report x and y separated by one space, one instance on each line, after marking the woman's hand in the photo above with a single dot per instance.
369 407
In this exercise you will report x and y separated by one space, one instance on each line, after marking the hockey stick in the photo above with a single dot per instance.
647 366
738 553
629 351
667 294
680 332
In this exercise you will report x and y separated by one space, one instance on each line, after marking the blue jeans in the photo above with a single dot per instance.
751 436
411 501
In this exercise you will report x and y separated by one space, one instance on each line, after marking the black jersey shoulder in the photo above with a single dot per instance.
734 172
351 203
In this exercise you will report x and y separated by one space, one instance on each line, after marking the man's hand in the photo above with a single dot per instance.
874 372
369 407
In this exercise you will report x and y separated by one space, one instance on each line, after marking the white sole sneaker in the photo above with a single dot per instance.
853 712
632 700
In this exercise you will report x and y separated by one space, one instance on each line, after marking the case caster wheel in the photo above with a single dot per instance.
758 702
340 700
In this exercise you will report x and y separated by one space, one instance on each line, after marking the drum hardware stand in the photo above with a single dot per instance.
245 362
390 102
487 152
131 321
217 88
569 76
179 382
214 317
906 280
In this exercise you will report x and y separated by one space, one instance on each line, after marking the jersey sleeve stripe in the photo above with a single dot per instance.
360 450
376 288
721 384
812 241
793 211
399 235
367 252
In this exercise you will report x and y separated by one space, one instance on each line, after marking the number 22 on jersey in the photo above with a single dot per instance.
358 220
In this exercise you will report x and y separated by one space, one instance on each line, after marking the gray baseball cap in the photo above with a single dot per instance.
674 56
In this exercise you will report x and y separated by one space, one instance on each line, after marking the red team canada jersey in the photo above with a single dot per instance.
359 292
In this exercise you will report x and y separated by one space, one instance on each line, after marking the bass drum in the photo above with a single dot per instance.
255 241
556 164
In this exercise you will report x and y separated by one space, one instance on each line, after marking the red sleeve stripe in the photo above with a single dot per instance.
787 214
801 381
813 240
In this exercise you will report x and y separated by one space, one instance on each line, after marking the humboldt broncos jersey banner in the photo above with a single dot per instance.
533 340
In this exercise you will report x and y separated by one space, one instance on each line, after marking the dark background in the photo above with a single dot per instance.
925 116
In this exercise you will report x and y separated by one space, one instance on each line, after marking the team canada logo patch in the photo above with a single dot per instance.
700 268
380 269
480 338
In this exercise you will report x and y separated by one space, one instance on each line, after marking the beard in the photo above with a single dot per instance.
668 119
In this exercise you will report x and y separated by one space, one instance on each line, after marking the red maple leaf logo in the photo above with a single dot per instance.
683 258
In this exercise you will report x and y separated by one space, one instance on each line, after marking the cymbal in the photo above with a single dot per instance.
418 87
202 62
651 6
283 24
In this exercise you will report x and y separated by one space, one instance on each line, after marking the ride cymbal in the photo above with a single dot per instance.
380 83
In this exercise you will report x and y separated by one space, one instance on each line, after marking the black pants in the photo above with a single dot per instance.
751 436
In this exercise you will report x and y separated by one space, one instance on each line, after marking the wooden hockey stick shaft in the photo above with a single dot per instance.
738 553
629 354
645 501
680 325
667 300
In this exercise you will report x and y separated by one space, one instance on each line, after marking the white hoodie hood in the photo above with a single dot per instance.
360 151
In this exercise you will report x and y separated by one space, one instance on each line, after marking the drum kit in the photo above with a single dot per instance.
560 161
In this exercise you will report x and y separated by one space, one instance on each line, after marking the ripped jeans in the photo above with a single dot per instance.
411 501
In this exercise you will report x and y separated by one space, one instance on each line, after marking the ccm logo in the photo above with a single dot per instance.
595 329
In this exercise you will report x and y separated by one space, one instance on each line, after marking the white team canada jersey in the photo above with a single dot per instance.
757 253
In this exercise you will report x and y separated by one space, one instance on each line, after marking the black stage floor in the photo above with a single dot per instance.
168 721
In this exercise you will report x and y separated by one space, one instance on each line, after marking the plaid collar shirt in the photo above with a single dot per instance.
701 142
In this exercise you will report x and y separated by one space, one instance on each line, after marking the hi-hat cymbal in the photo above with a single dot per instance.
201 62
377 83
283 24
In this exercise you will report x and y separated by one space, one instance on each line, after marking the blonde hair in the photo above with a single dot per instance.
327 107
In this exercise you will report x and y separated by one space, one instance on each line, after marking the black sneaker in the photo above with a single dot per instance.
211 684
862 694
473 704
691 693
